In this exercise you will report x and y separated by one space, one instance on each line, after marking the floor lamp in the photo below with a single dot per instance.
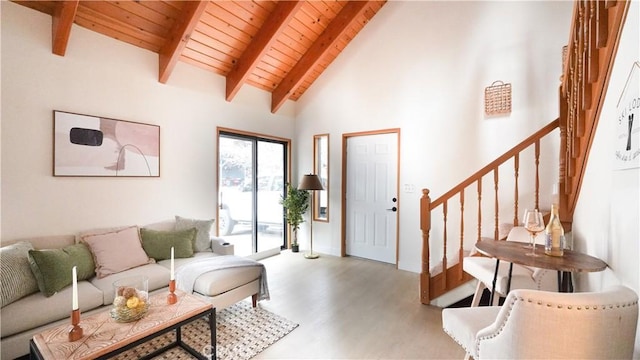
311 182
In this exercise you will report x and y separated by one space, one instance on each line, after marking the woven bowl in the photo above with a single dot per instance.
125 314
131 301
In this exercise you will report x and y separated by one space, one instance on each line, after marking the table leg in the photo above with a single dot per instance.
207 352
34 352
567 283
495 279
570 281
509 278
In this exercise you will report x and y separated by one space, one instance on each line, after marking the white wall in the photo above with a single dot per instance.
423 67
105 77
607 217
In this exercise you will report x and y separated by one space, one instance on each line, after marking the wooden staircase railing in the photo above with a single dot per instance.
453 276
595 33
593 42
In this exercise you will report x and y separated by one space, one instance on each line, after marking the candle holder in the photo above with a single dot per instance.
75 333
172 298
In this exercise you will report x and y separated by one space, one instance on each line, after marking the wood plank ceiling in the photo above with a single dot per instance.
278 46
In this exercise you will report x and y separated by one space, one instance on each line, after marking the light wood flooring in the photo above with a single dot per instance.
351 308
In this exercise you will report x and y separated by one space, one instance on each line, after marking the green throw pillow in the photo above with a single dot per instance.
52 267
157 244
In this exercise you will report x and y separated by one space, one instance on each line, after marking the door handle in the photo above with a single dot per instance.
394 209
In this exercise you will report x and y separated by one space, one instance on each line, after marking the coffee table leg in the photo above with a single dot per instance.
34 352
205 353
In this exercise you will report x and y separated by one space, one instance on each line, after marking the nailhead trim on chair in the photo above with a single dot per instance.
458 341
560 306
541 276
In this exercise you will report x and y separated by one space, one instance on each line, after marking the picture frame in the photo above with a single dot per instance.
87 145
627 134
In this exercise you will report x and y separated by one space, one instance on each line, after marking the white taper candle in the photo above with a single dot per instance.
172 268
74 282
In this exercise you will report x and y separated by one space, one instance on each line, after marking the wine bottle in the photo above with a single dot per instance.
554 243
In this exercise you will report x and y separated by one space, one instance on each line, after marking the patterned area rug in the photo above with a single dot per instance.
242 333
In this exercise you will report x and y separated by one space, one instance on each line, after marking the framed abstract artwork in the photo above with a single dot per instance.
86 145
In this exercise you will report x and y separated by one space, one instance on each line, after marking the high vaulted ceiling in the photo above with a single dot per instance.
279 46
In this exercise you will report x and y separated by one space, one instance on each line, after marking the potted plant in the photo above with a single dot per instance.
295 204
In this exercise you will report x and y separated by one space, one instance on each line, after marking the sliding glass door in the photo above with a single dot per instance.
252 174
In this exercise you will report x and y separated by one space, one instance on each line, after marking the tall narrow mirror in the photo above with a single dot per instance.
321 167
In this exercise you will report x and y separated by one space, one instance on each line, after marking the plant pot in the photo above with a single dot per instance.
295 248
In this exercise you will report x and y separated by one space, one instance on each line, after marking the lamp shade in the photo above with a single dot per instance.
310 182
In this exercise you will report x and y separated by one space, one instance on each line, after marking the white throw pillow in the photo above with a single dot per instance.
203 238
17 279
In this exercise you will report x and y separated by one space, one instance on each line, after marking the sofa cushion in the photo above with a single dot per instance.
37 310
179 262
217 282
158 278
158 244
17 279
52 267
203 239
46 242
116 251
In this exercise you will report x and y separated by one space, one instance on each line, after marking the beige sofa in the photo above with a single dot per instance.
21 319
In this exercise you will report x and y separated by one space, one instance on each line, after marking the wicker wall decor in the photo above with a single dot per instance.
497 98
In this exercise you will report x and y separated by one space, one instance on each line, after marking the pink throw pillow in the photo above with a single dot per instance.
116 251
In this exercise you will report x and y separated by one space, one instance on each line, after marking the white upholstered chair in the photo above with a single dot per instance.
522 277
534 324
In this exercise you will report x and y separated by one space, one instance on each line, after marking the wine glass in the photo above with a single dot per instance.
534 224
529 244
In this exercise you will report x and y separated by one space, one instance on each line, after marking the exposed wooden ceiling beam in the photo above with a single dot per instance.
323 44
62 19
179 36
254 42
262 41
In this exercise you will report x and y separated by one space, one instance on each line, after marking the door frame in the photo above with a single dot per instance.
287 142
343 191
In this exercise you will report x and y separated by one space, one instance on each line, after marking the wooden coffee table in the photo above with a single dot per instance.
104 337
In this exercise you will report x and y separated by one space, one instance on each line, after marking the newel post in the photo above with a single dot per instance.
425 226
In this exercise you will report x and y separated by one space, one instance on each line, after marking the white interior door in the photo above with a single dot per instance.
371 198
